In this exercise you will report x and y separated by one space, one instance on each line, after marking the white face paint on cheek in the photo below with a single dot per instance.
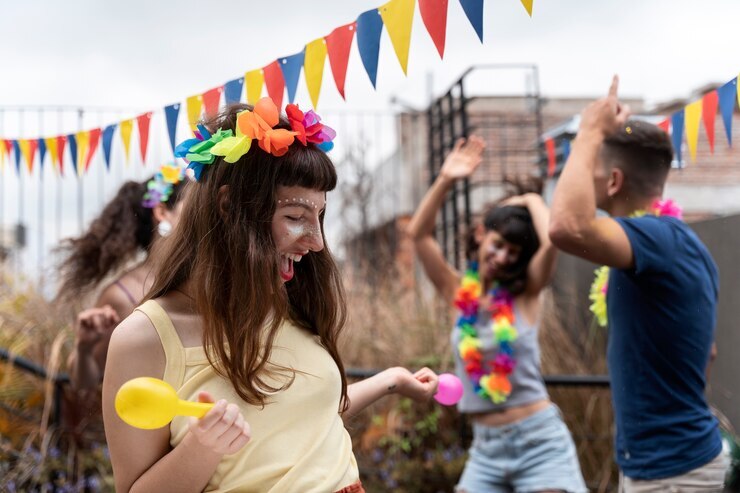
298 231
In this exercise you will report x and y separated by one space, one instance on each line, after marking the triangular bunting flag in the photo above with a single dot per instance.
692 114
28 149
108 143
194 105
313 68
61 142
474 12
233 91
211 98
2 155
126 127
254 79
727 94
94 141
170 115
338 45
710 101
398 17
143 123
434 15
274 82
41 144
665 125
17 151
566 150
677 134
51 147
528 5
72 142
291 66
83 140
369 28
551 158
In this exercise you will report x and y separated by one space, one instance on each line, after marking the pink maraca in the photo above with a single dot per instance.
450 389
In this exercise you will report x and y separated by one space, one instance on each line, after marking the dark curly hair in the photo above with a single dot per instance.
116 236
515 225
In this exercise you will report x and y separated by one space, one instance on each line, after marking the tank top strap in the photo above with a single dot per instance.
174 372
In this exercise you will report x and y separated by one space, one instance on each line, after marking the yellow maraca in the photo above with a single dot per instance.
150 403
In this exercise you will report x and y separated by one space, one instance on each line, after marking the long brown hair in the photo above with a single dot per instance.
124 228
229 255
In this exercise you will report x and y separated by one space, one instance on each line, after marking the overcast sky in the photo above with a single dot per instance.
142 55
146 54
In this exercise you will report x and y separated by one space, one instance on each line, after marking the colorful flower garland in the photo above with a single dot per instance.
600 286
159 188
490 379
256 124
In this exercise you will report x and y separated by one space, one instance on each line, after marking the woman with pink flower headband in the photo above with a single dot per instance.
246 309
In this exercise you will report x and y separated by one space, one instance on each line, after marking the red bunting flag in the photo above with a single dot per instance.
665 125
143 123
434 15
61 142
8 147
94 140
275 82
550 147
338 44
709 115
211 98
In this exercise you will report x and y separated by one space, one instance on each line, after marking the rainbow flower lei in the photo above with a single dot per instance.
490 379
600 286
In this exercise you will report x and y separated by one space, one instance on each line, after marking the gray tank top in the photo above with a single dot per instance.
527 385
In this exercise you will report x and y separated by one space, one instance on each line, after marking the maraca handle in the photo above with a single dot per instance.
195 409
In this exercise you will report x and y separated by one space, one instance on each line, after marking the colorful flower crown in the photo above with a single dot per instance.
257 124
159 189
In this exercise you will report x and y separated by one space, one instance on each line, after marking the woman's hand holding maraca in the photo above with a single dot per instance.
223 429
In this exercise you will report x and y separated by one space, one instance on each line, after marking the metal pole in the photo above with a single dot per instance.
41 207
20 200
80 197
465 133
59 178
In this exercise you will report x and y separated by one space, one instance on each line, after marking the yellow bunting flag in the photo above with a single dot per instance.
83 142
313 68
2 155
254 79
693 117
51 147
398 17
25 146
126 127
195 105
528 5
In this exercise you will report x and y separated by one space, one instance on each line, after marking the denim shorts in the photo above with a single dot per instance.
534 454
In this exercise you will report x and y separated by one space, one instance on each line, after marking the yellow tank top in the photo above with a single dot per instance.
299 442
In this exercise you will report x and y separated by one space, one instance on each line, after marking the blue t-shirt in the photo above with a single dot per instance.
662 315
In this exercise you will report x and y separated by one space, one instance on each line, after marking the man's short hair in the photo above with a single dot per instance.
644 153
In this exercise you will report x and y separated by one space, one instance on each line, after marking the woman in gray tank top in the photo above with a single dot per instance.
520 442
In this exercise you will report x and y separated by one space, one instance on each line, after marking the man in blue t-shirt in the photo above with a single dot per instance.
661 299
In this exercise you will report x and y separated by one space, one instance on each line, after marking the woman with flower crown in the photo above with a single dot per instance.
520 442
129 225
246 308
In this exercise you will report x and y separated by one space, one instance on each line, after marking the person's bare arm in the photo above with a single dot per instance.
542 266
143 460
574 227
460 163
419 386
